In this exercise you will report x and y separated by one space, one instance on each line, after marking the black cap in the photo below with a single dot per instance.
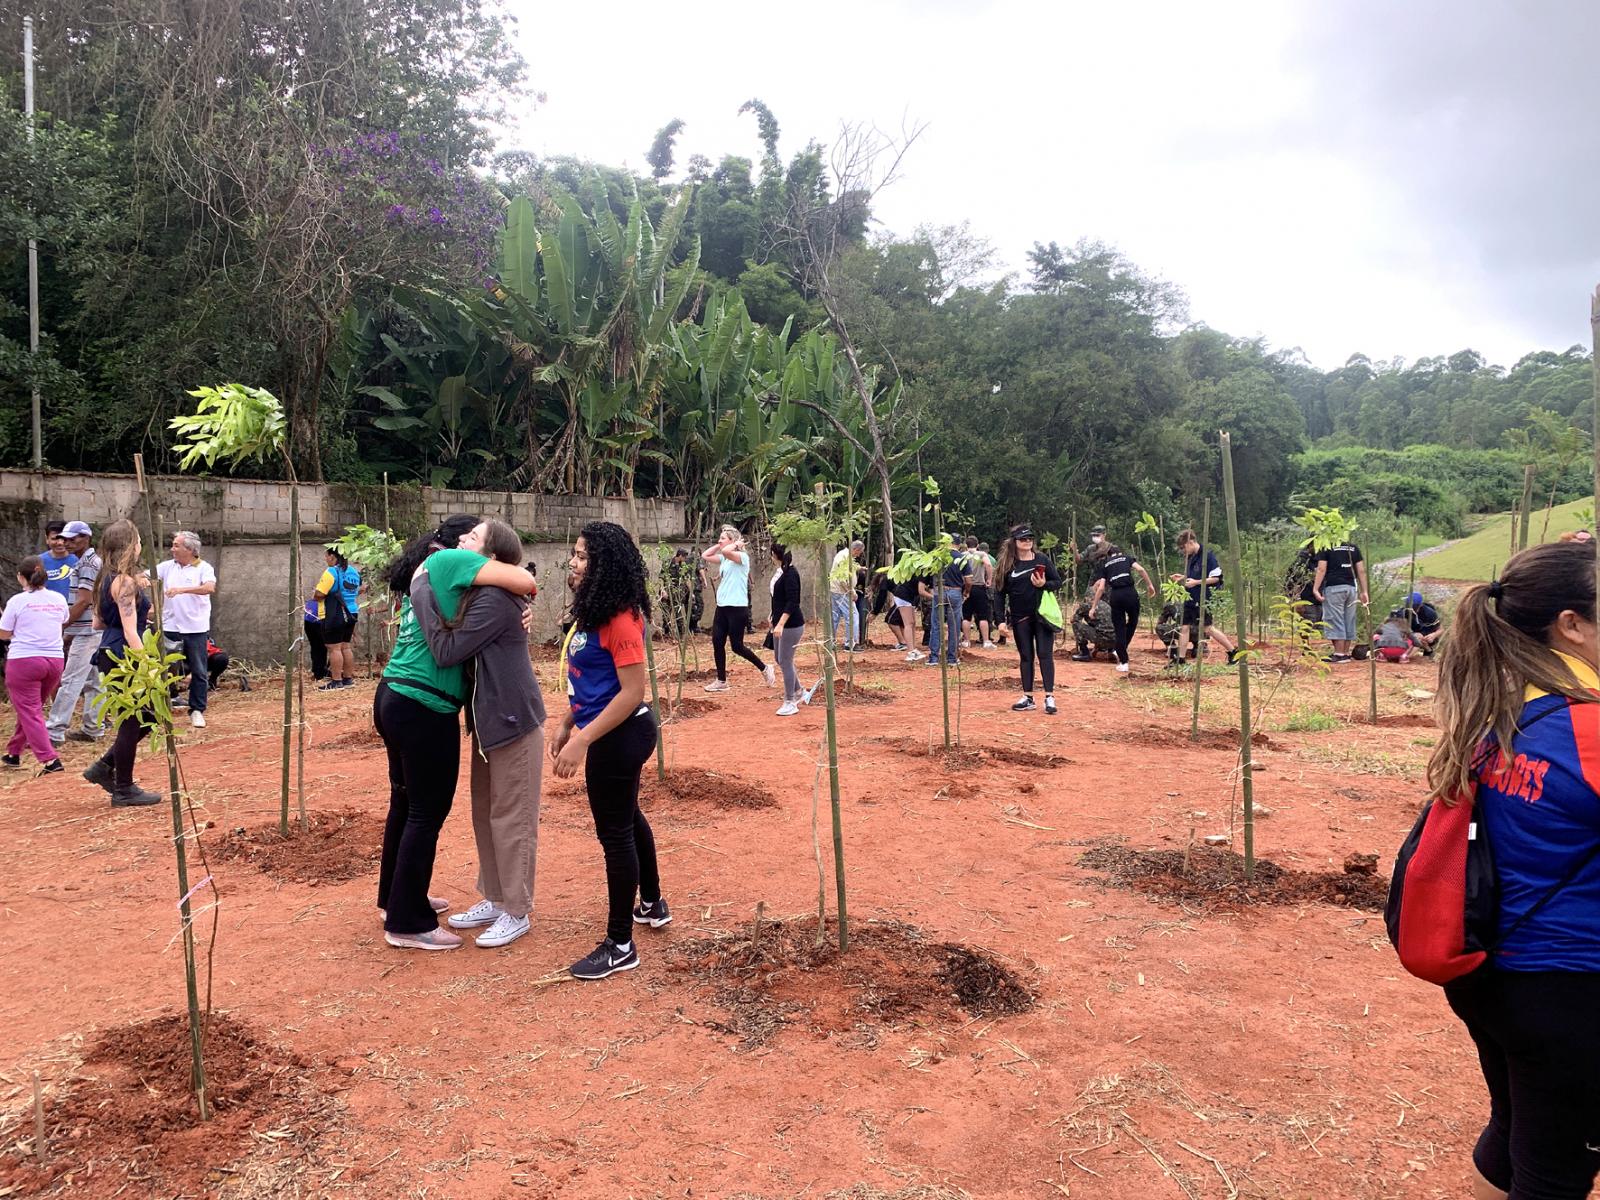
1022 531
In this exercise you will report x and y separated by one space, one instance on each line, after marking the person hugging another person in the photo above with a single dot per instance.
788 625
610 732
414 711
505 716
32 622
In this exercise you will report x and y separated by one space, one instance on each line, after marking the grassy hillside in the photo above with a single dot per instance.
1477 556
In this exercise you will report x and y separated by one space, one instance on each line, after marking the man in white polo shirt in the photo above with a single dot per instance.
187 584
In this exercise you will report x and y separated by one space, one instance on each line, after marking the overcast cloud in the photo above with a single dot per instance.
1395 179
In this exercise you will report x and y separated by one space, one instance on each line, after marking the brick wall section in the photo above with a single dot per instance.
245 524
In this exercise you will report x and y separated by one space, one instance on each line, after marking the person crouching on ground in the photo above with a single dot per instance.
1517 690
611 732
788 625
1426 623
32 622
1394 640
505 717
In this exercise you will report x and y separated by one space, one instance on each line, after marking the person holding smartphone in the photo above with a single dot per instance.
1021 576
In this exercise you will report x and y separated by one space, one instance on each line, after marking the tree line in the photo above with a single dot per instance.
311 201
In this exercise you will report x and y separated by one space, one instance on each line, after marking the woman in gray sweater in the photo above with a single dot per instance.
505 716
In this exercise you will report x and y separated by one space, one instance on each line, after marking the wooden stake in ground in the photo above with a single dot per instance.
1200 623
828 647
655 701
38 1119
1246 778
1525 510
1372 662
197 1068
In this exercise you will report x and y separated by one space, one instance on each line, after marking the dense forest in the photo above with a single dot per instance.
309 198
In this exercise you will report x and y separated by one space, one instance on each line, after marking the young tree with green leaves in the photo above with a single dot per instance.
238 424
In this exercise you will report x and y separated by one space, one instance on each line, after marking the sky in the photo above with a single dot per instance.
1394 179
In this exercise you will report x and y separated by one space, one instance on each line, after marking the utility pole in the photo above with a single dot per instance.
33 248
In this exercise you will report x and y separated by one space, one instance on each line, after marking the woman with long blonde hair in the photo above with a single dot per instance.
1519 677
122 611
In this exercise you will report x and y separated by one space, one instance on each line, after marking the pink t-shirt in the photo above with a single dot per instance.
34 620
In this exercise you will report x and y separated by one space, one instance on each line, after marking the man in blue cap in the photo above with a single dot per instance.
1426 622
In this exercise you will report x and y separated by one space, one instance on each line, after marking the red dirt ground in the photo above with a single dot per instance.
1174 1048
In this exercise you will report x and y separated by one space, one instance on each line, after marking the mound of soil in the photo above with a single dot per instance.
363 738
1216 877
694 786
1407 721
845 694
774 974
128 1117
996 683
964 758
338 846
689 708
1167 739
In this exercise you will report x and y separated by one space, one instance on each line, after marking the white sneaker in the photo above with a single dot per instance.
505 930
1122 668
990 646
788 709
484 912
717 685
197 719
915 656
771 675
434 939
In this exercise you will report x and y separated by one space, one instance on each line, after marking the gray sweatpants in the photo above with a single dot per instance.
505 820
78 678
786 644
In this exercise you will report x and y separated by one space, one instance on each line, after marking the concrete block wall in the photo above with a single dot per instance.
245 524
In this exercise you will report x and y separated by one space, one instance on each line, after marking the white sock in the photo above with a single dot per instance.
624 947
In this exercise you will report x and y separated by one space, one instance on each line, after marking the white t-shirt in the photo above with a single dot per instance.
35 620
186 613
733 582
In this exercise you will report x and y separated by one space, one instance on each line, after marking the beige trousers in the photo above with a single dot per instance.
505 820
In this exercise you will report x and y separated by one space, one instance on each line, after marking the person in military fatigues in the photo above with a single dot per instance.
1167 625
1094 632
683 593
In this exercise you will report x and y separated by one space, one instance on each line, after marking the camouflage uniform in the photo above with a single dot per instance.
1167 625
1093 633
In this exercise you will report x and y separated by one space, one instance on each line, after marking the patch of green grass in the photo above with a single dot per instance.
1311 720
1358 761
1477 556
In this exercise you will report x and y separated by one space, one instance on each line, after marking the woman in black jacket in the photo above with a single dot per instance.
505 715
1020 579
788 625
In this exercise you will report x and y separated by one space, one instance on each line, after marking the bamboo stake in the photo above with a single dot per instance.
655 701
197 1070
828 647
38 1119
1246 779
1200 624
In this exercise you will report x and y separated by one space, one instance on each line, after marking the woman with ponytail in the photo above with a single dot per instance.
1520 740
32 623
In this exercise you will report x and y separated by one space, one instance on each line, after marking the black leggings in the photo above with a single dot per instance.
1124 618
1539 1046
611 774
125 748
728 626
1036 637
424 758
319 650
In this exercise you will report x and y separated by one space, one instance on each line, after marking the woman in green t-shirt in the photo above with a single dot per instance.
416 713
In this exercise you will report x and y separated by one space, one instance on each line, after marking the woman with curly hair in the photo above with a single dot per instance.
611 731
415 712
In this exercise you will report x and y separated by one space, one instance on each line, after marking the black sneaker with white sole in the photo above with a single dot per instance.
605 960
1050 705
52 767
11 760
1026 704
654 915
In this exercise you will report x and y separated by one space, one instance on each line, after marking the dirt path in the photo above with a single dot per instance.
1174 1049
